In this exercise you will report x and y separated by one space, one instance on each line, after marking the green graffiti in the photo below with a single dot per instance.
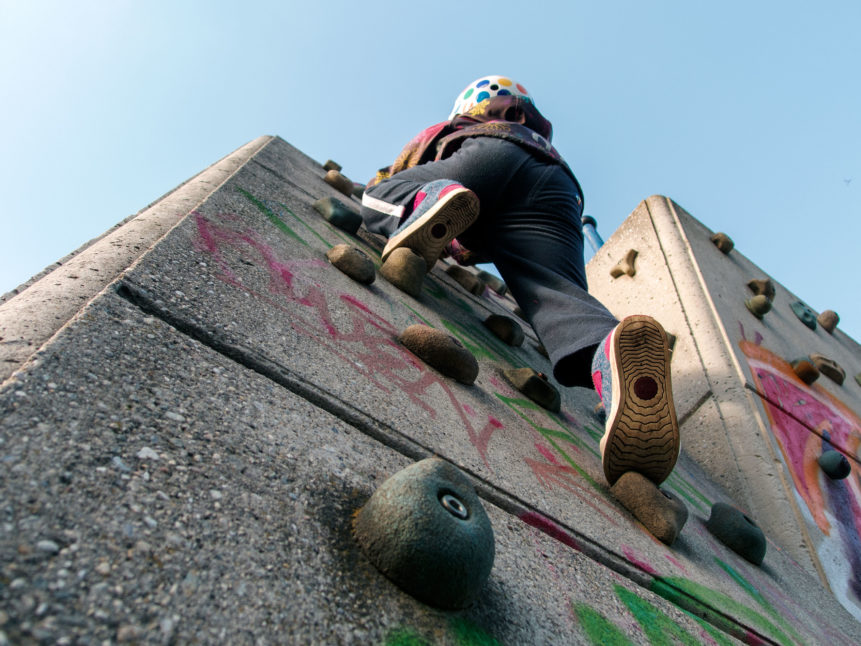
468 634
472 344
405 637
274 219
435 290
593 432
681 592
419 316
598 629
304 224
685 490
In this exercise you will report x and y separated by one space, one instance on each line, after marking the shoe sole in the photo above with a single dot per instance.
643 432
430 233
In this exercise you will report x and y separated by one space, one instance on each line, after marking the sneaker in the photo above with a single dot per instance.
631 372
442 210
461 255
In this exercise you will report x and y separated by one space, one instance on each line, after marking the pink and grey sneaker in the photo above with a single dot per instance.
631 372
442 209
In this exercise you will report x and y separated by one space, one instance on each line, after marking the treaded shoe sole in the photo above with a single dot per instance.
431 232
642 430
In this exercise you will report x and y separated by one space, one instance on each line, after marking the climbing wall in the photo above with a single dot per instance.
183 457
782 388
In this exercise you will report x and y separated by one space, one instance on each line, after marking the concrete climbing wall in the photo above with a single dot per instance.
181 457
760 429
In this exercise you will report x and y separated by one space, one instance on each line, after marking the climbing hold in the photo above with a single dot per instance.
339 182
661 512
737 532
338 214
671 340
406 270
506 328
625 265
723 242
762 286
535 386
441 351
829 368
358 190
352 261
828 320
600 413
858 379
542 350
494 282
518 312
466 279
758 305
426 530
834 464
331 165
805 370
804 314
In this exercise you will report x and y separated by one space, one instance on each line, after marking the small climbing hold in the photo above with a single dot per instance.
723 242
338 214
352 261
758 305
505 328
542 350
828 320
671 340
829 368
737 532
466 279
661 512
762 286
600 413
339 182
625 265
426 530
518 312
406 270
805 370
535 386
804 314
440 351
494 282
331 165
358 190
834 464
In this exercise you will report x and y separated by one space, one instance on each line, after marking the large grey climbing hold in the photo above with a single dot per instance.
828 320
340 183
352 261
440 351
805 370
425 529
338 214
535 386
626 265
834 464
829 368
505 328
406 270
466 279
662 513
723 242
332 165
762 286
737 532
804 314
758 305
494 282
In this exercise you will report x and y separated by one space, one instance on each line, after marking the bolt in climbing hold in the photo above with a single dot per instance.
426 530
505 328
625 265
441 351
340 183
338 214
405 269
661 512
466 279
494 282
535 386
737 532
829 368
828 320
758 305
332 165
762 286
805 370
804 314
352 261
834 464
723 242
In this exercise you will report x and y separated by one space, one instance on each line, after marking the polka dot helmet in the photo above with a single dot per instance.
486 87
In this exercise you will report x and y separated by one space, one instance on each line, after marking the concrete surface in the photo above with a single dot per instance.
313 396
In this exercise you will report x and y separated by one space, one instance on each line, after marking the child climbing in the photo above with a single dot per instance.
487 186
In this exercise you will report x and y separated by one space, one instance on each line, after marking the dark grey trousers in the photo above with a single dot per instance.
529 227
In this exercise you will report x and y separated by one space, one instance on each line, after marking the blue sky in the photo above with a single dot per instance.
748 114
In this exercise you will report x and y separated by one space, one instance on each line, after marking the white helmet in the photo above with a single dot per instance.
486 87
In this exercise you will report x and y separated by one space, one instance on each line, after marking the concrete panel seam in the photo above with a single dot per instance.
706 396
